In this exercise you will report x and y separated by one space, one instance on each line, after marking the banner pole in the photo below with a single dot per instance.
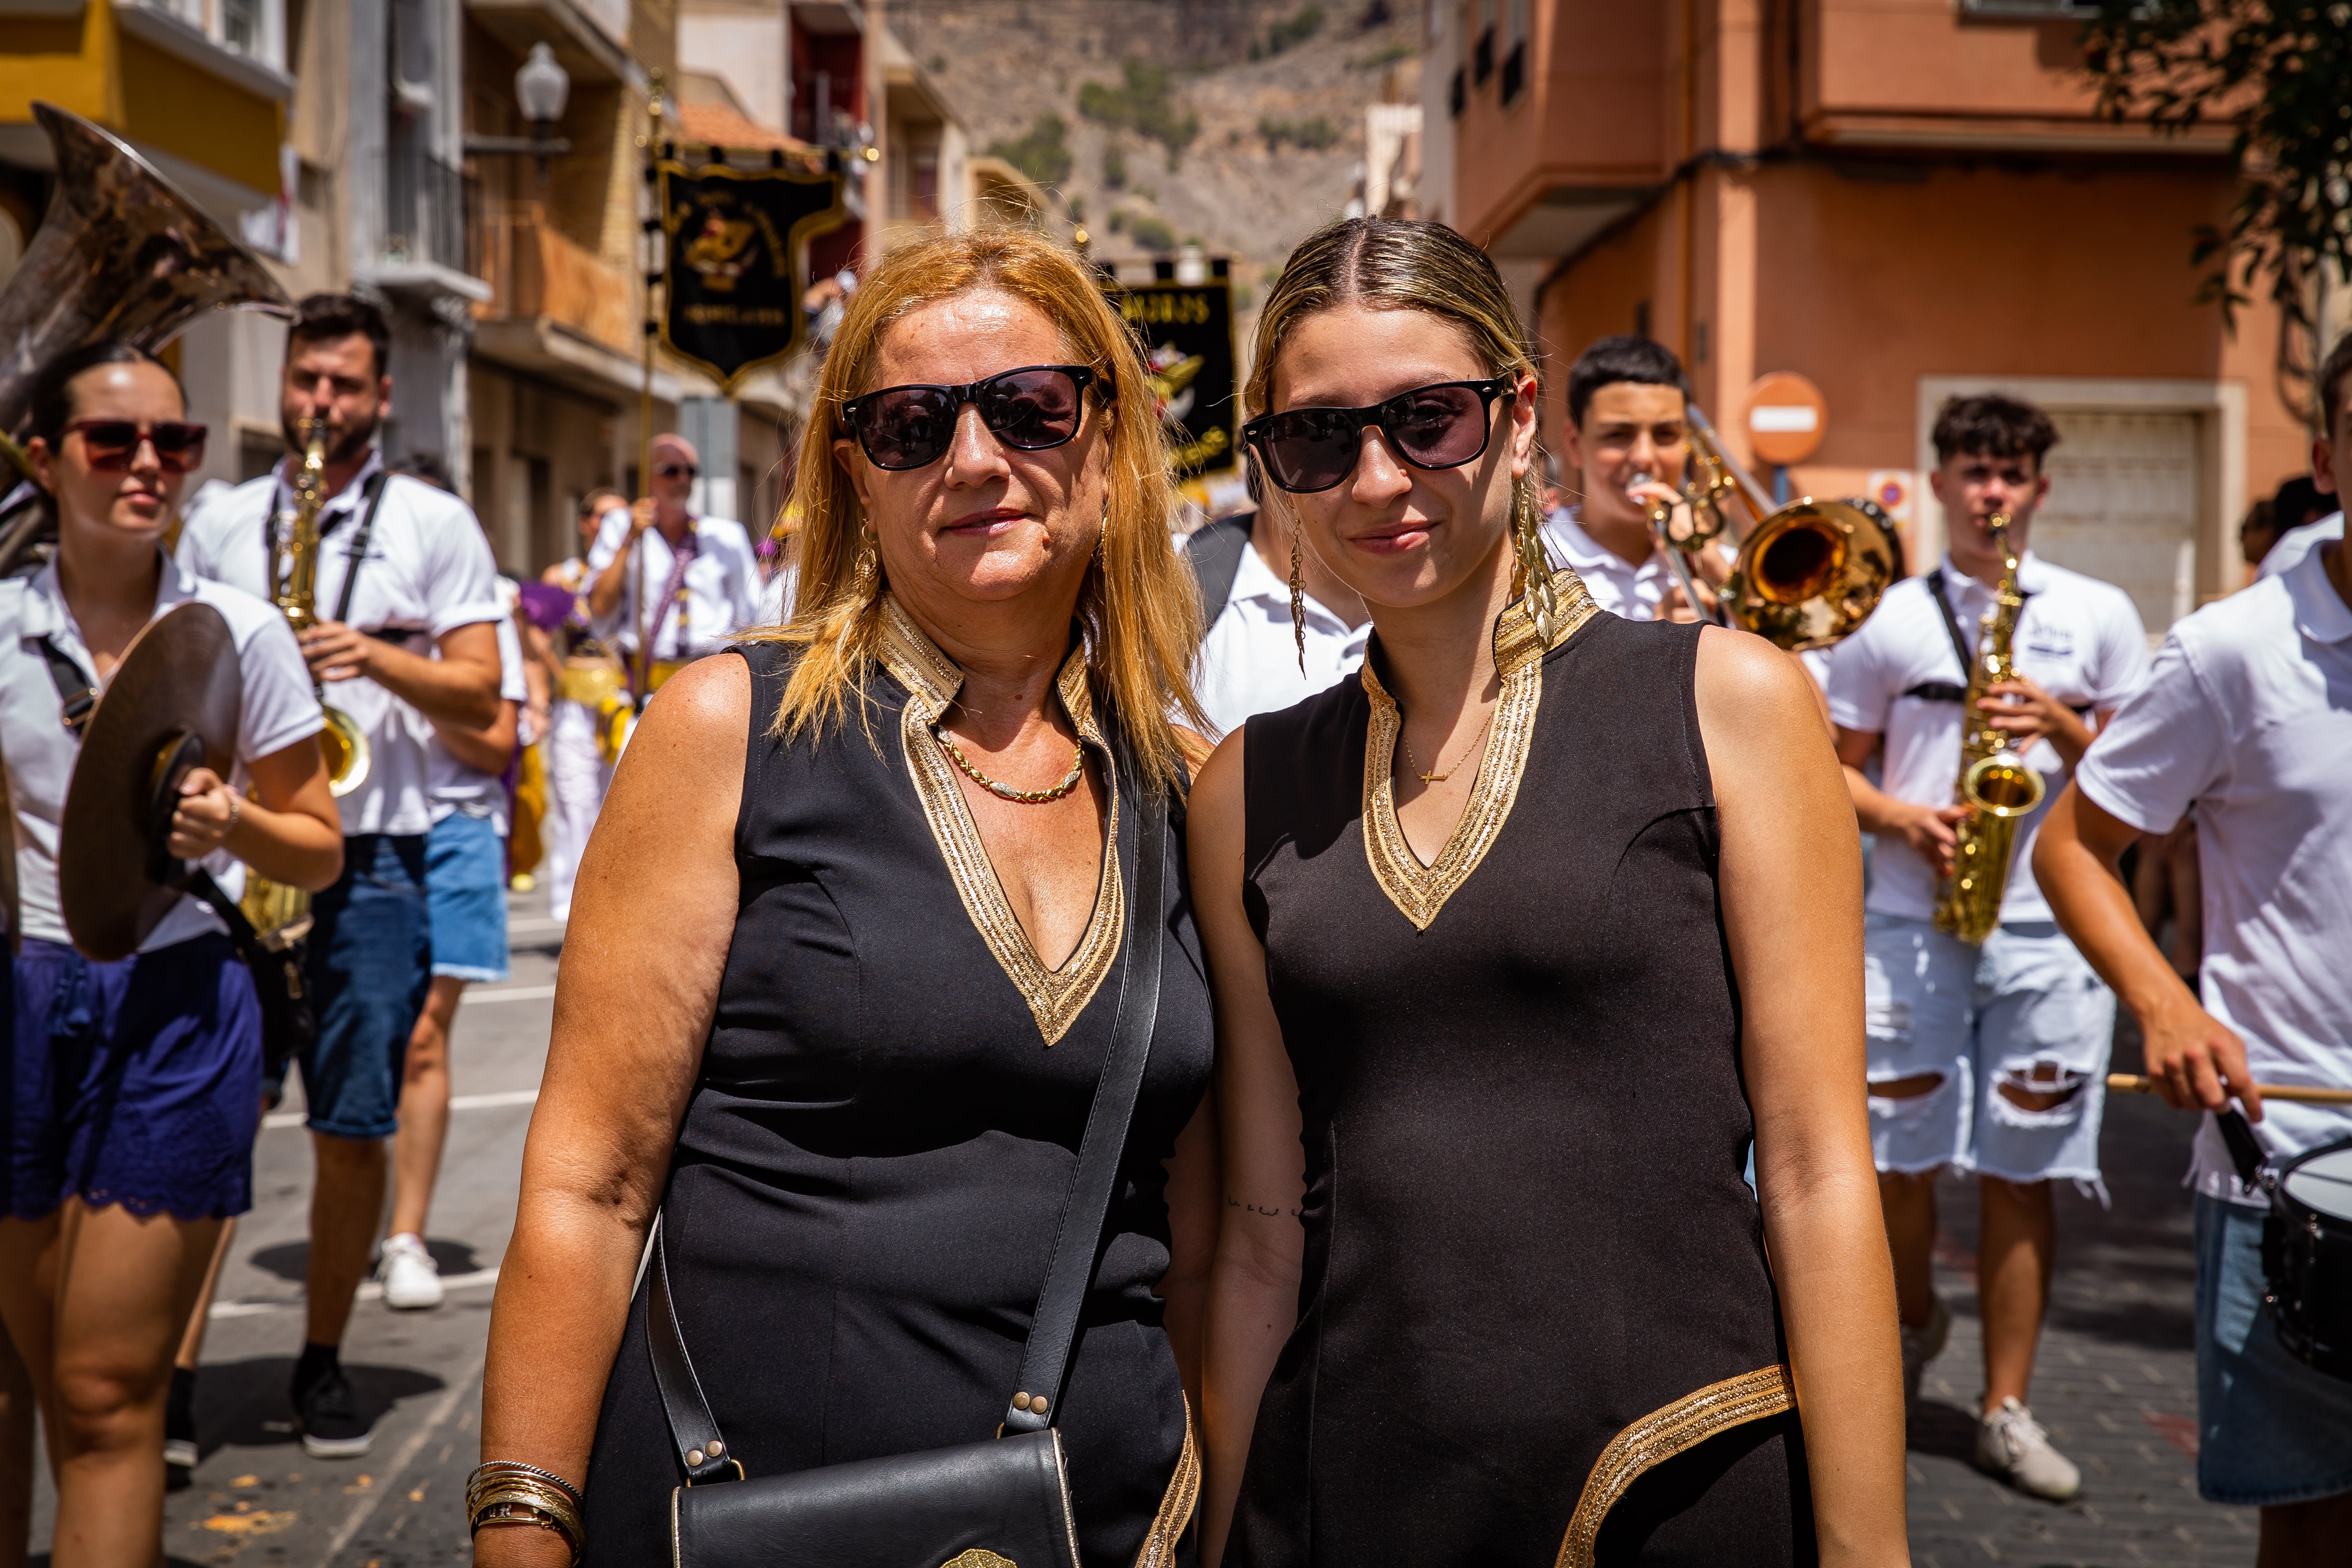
656 272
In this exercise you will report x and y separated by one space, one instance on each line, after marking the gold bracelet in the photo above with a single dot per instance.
520 1501
493 1470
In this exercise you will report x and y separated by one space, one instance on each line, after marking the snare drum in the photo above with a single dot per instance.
2308 1257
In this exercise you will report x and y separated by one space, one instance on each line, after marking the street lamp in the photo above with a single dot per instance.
542 87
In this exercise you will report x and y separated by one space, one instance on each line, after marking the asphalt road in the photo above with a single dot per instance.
2115 1383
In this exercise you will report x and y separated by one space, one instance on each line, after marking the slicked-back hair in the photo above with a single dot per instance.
1994 425
2335 385
1625 357
324 318
1398 264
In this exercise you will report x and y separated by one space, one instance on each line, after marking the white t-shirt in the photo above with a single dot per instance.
1248 663
722 587
1616 585
454 785
2246 718
2297 542
428 572
776 596
277 711
2078 638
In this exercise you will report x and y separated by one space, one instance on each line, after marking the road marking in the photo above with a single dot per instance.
509 994
370 1291
497 1101
458 1389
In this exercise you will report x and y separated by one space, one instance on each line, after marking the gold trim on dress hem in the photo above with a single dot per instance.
1660 1435
1176 1506
1055 997
1420 892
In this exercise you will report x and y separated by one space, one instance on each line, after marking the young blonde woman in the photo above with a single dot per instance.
847 954
1517 941
135 1085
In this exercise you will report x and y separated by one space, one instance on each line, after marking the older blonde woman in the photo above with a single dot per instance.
847 949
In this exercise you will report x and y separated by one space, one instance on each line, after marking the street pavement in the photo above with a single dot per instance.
2116 1384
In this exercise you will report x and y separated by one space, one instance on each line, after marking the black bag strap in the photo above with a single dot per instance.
1952 627
1045 1365
76 698
1214 555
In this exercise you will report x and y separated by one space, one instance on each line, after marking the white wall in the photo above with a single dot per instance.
746 51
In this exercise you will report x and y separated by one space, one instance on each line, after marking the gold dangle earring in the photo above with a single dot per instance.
868 570
1298 600
1531 569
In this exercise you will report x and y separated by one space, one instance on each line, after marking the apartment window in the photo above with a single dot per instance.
1514 62
242 26
923 184
1481 59
1457 93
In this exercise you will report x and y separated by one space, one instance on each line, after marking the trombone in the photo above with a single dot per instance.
1807 575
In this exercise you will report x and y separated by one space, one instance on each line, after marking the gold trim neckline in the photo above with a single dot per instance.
1420 892
1055 997
1659 1436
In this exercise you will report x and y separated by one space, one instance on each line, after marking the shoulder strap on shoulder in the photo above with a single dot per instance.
1951 625
375 488
1214 555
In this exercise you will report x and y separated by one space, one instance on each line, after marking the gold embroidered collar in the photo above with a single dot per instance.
1417 890
1056 996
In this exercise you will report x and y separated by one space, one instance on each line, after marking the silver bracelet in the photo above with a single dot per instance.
236 811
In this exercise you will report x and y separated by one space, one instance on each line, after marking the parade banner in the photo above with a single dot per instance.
1186 332
735 242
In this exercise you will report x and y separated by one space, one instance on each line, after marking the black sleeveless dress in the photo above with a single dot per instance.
1535 1323
873 1166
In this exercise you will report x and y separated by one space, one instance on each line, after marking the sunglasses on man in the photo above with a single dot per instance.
676 471
1441 425
111 445
1033 409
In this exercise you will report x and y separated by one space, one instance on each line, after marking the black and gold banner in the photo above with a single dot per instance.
1186 332
735 244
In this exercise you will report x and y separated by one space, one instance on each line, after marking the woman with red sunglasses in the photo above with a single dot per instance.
135 1085
1520 942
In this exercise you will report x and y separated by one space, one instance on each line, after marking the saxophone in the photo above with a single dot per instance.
279 913
1994 780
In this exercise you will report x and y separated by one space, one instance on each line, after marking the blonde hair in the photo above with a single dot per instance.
1403 264
1139 638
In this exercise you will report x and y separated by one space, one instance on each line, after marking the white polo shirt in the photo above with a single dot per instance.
722 587
2295 543
2246 718
428 572
2077 638
1616 584
1248 662
277 711
454 785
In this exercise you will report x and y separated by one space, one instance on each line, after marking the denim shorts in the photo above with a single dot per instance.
136 1082
2024 1010
2270 1429
370 964
466 886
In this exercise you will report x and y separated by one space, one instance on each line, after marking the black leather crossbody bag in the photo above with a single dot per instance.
998 1503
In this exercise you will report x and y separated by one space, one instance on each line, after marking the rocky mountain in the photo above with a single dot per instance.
1236 123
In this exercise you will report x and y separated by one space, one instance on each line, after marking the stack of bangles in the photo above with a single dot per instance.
504 1492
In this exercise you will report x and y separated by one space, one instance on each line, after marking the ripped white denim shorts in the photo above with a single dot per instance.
2015 1034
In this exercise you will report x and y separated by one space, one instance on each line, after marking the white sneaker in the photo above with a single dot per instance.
1922 1345
2011 1445
411 1280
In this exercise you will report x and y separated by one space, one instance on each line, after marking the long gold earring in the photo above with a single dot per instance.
1298 602
868 570
1531 569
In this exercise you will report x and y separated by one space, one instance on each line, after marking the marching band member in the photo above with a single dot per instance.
1456 1026
420 647
135 1085
590 691
1281 628
1989 1059
702 580
1628 436
2245 719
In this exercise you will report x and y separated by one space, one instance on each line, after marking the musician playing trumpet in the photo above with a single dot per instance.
407 597
135 1085
1988 1059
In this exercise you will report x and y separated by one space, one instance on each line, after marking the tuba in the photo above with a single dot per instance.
1808 572
1994 779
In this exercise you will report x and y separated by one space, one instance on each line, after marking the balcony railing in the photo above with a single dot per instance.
424 212
535 269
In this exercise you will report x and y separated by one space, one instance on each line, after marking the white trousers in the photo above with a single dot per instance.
577 777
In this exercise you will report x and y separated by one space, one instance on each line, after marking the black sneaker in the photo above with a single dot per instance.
180 1450
324 1412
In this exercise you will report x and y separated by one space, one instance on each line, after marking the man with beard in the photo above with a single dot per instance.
407 602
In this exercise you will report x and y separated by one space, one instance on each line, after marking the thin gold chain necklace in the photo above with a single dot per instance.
1006 792
1440 778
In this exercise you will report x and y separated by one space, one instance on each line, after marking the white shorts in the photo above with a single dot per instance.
2024 1010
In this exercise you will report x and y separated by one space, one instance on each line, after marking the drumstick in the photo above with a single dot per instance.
2136 1083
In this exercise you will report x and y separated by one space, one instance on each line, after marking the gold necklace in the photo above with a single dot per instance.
1440 778
1006 792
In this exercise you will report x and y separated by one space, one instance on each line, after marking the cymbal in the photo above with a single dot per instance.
178 682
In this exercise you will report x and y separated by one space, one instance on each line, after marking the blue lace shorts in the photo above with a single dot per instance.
137 1082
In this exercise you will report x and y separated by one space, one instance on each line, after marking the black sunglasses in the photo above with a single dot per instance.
1441 425
677 470
112 445
1034 409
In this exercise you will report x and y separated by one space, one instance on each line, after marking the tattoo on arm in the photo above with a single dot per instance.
1269 1213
